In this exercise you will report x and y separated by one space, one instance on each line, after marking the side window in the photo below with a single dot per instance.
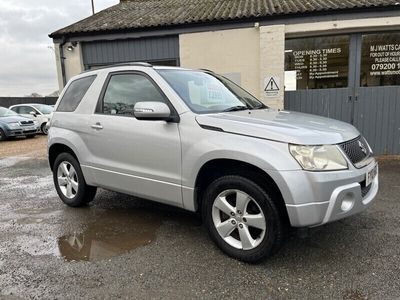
16 109
25 110
74 94
125 90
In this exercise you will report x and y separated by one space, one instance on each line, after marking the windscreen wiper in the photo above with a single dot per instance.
236 108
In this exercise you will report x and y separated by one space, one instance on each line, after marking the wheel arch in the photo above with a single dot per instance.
216 168
57 149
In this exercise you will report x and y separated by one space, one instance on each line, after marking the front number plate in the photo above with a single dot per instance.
371 175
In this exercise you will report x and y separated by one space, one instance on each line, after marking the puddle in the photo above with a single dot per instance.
90 233
36 211
29 220
109 234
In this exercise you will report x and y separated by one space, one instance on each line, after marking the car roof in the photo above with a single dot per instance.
22 104
131 65
29 104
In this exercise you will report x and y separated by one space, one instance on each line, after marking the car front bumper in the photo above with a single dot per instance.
22 131
316 198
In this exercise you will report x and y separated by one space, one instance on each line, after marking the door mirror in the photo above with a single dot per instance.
155 111
33 113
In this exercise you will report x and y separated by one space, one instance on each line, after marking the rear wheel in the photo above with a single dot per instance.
3 136
242 218
70 183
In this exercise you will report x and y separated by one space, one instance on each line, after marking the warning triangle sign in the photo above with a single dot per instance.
271 85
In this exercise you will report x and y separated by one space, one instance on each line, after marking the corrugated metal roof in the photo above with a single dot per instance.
134 14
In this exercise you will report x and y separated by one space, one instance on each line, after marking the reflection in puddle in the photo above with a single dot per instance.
110 233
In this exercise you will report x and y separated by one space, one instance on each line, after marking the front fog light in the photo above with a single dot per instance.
318 158
347 203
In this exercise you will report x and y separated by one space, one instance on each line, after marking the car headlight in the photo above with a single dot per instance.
13 125
319 158
35 123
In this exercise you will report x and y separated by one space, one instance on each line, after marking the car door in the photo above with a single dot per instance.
22 110
39 116
142 158
26 110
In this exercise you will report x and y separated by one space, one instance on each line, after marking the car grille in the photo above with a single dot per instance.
26 123
365 190
356 150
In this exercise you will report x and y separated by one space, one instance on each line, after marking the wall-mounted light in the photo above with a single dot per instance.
72 46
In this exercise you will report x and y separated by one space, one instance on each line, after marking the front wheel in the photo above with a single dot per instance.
242 218
3 136
44 129
70 183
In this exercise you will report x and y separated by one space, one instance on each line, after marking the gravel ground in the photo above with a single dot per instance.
123 247
36 147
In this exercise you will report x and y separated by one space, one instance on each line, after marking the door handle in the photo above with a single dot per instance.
97 126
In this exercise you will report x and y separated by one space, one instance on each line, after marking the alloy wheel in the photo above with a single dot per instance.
238 219
67 179
44 129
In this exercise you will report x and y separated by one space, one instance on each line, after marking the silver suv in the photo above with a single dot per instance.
195 140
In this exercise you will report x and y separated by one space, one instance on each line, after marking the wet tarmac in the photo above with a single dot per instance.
96 233
123 247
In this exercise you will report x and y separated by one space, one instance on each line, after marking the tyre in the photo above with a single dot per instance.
242 219
30 136
70 183
44 129
3 136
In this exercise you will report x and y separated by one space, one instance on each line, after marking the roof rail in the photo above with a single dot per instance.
207 70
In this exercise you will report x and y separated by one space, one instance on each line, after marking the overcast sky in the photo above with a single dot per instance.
27 64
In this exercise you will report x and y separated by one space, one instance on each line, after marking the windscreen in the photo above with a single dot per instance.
4 112
206 92
44 109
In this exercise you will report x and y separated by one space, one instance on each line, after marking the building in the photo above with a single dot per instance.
337 58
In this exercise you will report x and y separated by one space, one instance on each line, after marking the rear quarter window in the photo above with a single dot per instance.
75 93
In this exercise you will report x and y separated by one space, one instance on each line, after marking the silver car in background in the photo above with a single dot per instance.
40 113
195 140
13 125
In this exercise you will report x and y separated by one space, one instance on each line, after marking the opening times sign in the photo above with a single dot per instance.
323 62
315 63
